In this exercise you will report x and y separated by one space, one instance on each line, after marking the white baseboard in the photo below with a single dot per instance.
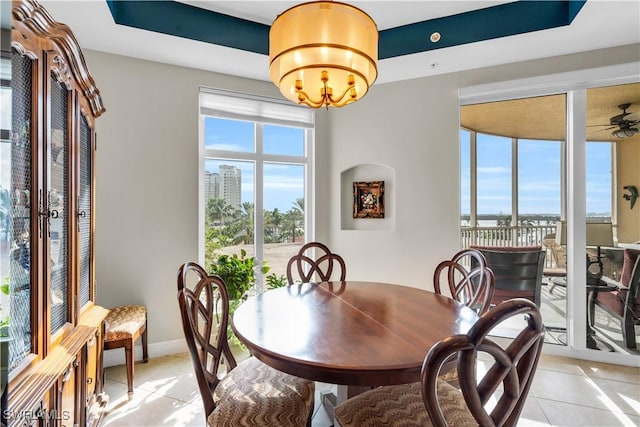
116 356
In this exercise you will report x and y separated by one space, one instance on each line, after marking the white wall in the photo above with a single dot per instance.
147 181
147 166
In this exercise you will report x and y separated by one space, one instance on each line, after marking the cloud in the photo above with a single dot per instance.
224 147
494 170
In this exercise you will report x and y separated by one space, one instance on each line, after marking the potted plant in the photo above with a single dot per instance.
238 273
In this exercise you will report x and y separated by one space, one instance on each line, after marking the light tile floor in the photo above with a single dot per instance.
566 392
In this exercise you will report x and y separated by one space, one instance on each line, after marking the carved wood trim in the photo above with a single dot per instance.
27 395
37 19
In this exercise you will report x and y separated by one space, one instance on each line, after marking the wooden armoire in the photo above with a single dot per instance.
55 330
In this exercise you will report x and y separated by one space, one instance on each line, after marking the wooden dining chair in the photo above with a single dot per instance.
469 279
470 282
489 395
315 262
250 393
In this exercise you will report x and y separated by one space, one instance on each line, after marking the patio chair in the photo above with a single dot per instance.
517 271
469 279
250 393
310 268
558 262
622 304
432 401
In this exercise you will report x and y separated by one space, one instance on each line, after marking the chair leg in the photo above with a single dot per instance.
128 357
629 335
145 353
310 417
591 314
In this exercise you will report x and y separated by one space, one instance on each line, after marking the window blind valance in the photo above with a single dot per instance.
242 106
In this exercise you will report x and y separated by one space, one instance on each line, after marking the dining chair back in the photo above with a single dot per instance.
506 379
518 271
494 380
315 262
468 279
242 394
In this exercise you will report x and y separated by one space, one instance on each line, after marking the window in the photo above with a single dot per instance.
599 181
255 180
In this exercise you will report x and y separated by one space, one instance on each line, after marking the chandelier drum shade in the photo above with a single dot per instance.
323 53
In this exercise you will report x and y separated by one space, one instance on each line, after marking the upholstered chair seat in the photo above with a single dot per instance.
403 405
254 394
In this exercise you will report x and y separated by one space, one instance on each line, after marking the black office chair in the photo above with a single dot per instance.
517 271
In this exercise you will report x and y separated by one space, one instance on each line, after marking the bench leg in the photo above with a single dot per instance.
145 352
128 357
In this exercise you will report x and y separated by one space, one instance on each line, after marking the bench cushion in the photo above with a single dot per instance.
124 321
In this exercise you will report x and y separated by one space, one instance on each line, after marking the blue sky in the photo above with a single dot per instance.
538 176
538 169
283 183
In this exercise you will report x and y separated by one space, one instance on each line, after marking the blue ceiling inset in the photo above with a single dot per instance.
182 20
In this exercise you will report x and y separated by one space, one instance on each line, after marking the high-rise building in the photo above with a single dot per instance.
211 185
231 185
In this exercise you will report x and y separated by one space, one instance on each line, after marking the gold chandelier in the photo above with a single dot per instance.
323 53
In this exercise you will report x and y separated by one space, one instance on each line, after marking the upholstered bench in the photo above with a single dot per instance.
123 326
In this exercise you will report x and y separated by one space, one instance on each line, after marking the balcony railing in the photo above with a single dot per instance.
520 235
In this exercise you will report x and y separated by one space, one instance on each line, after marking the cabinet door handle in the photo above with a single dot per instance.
42 213
66 375
82 214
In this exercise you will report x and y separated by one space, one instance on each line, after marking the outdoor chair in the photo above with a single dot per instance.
250 393
316 262
622 304
505 381
558 267
517 271
469 279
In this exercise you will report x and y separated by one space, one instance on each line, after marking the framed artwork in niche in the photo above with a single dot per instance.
368 199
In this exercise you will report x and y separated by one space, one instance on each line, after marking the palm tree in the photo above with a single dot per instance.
276 221
216 211
298 205
245 223
292 221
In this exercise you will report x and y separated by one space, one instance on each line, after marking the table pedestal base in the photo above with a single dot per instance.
329 400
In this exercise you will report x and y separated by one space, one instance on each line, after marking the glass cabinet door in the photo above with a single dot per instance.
57 201
84 211
16 222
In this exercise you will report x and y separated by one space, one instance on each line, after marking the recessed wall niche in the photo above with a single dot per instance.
367 172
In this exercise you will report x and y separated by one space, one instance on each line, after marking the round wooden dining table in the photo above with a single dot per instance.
351 333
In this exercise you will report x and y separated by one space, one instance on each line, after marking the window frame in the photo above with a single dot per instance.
258 158
574 84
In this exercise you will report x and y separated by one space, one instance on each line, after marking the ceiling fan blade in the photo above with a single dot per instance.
602 130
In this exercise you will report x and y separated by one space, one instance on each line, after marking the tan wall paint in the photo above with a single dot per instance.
628 155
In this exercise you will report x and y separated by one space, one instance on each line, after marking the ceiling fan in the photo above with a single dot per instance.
625 127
